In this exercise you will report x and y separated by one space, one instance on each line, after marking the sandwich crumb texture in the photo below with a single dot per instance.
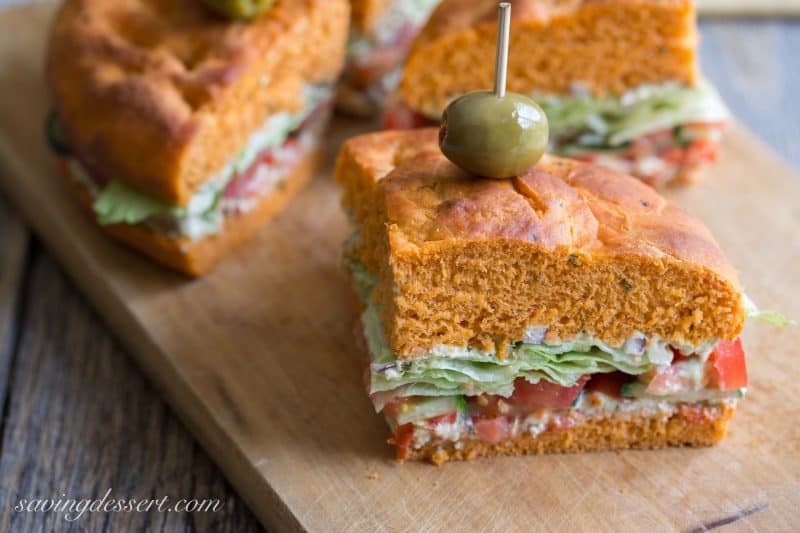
572 246
609 46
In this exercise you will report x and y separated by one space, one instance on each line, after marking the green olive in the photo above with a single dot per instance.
239 9
491 136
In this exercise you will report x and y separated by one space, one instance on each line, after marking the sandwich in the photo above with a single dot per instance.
181 131
381 33
569 308
618 79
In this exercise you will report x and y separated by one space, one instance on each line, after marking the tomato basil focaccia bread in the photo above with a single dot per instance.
570 308
381 33
185 131
618 79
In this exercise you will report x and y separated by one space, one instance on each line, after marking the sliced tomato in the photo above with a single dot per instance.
392 408
650 144
701 151
448 418
402 440
545 394
251 181
609 384
677 356
667 380
726 366
587 157
492 430
401 117
371 68
673 155
716 125
381 60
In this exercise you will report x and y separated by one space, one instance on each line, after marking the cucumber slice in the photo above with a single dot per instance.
418 409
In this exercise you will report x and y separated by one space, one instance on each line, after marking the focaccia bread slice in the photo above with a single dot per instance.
162 95
366 13
618 79
575 247
608 46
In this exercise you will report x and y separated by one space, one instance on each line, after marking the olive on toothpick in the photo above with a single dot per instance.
495 134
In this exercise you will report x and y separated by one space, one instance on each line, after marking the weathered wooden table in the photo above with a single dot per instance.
78 418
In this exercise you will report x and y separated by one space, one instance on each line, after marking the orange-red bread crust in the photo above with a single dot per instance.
572 246
161 95
608 46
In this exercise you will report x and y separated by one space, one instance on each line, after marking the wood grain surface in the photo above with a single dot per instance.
14 239
133 448
339 440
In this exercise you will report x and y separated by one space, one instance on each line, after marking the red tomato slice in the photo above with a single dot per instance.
391 409
701 151
545 394
673 155
449 418
677 356
609 384
727 367
401 117
491 430
667 380
718 125
371 68
402 440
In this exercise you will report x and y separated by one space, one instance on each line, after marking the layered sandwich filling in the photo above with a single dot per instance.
374 60
455 394
655 132
268 157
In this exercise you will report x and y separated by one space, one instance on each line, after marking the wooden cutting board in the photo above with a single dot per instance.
258 360
762 8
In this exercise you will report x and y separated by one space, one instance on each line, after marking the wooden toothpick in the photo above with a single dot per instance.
501 61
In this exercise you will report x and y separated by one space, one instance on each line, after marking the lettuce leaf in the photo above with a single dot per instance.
119 203
611 122
421 408
438 376
751 310
470 371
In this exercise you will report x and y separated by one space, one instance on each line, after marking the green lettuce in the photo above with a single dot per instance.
584 121
470 371
421 408
119 203
751 310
